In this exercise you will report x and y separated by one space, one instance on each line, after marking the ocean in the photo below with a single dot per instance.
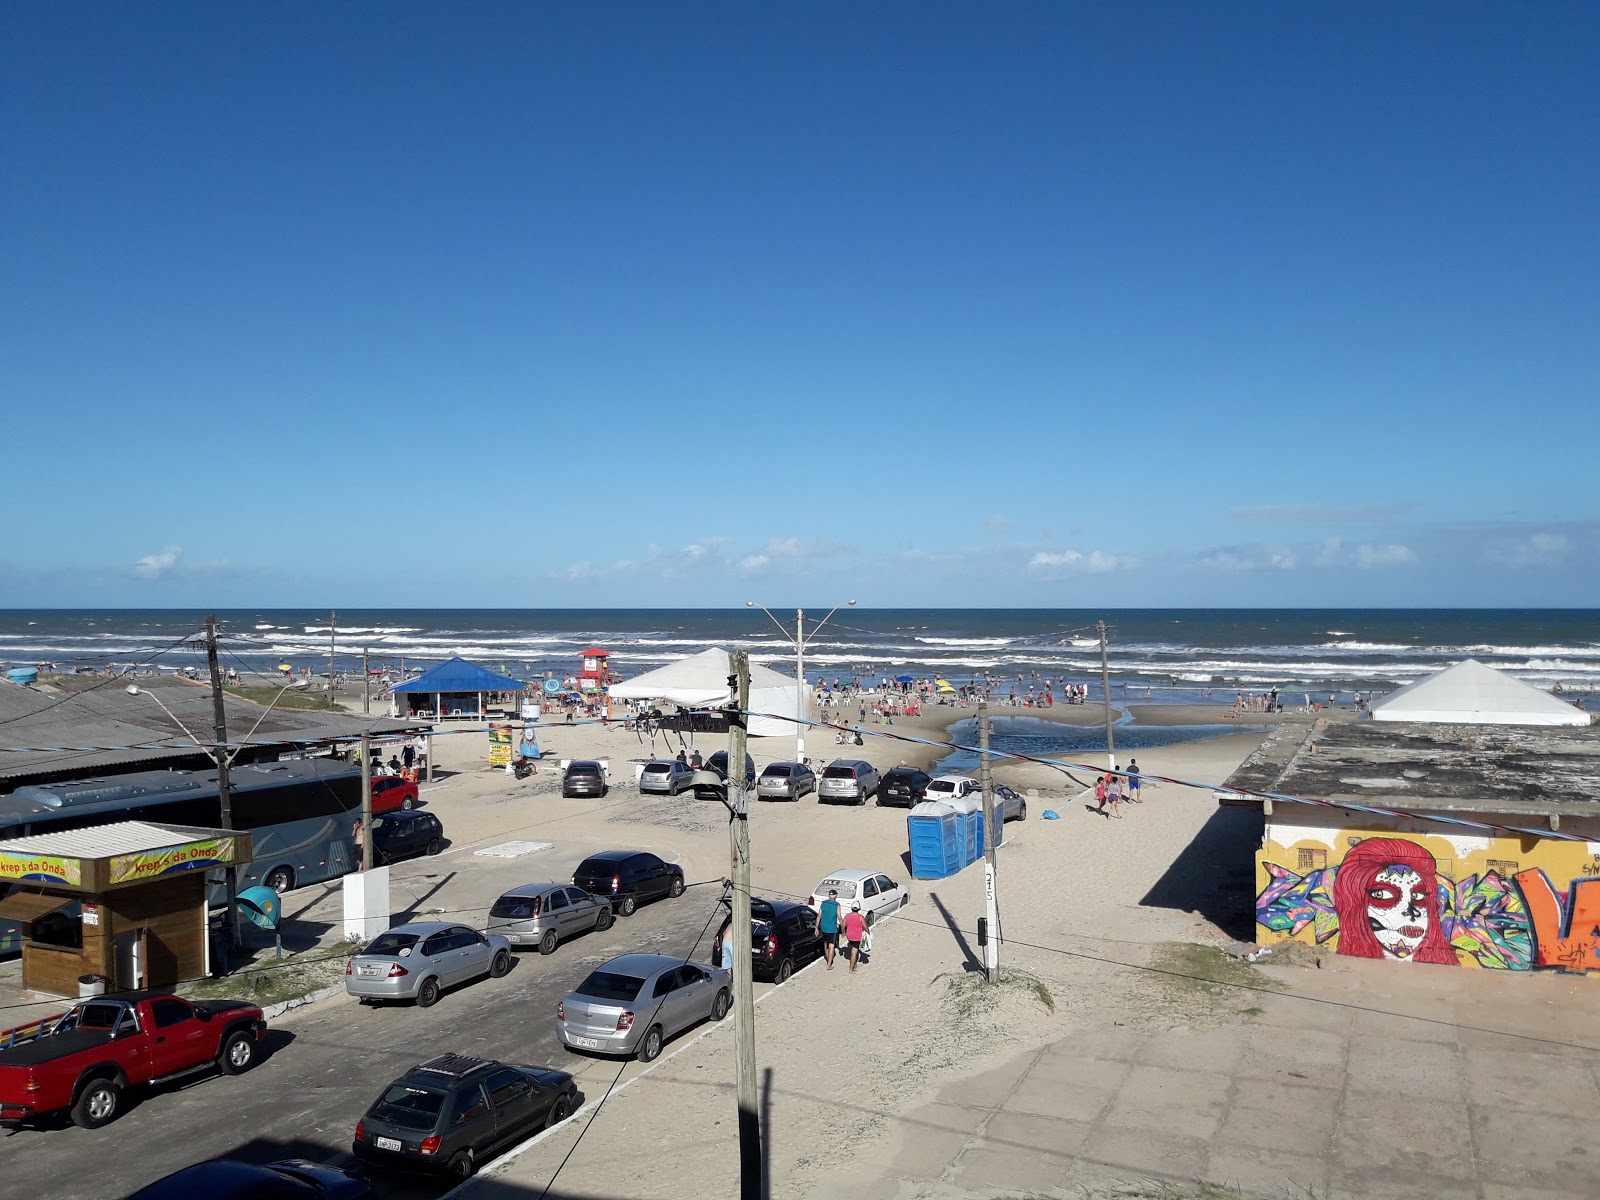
1177 654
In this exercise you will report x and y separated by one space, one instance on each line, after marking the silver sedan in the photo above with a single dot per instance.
544 914
786 781
419 960
631 1005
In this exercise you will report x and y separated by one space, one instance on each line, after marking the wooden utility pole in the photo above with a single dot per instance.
744 1006
219 714
1105 690
366 802
991 949
333 619
366 684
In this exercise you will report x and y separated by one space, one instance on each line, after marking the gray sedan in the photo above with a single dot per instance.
786 781
666 777
633 1004
544 914
419 960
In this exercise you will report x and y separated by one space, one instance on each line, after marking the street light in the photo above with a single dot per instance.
803 710
218 752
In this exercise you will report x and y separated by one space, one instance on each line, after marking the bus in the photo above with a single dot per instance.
301 814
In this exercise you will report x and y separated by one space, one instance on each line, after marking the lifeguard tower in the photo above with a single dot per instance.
596 673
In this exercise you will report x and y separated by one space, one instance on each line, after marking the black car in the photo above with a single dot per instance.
224 1179
583 777
405 833
711 780
783 938
904 785
628 878
452 1112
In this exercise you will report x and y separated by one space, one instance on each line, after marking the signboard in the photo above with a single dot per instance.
41 868
500 739
169 860
91 914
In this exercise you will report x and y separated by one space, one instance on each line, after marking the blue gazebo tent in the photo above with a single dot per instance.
451 682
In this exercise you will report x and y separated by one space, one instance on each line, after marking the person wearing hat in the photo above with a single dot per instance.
828 925
855 926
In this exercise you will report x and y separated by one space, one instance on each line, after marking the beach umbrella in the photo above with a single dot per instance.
904 678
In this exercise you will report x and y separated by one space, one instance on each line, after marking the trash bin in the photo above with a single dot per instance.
91 985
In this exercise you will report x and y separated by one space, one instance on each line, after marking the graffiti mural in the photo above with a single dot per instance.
1390 899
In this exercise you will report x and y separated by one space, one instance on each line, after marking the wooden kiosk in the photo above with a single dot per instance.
126 902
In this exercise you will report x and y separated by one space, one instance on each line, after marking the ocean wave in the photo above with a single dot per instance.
944 641
1338 633
346 629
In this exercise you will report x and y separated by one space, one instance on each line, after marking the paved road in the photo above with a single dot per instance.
326 1064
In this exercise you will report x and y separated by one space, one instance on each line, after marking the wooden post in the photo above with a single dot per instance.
744 1010
991 951
366 802
219 713
1105 688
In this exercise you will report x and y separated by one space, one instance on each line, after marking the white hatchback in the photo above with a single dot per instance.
877 894
951 787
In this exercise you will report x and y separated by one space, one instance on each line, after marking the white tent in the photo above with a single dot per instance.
701 681
1470 693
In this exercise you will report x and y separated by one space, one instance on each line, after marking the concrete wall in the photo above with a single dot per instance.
1419 890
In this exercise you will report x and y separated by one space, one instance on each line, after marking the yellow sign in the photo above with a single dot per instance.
41 868
500 737
169 860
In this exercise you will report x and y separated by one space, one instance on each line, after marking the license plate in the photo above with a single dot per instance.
389 1144
586 1043
371 972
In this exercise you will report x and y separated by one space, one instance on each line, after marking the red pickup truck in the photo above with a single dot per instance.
83 1059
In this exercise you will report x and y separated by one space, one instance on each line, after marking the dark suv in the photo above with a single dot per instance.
783 938
711 780
451 1112
404 833
904 785
628 878
584 778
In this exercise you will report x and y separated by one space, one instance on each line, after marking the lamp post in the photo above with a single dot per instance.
803 705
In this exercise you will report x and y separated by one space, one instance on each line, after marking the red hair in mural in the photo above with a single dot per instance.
1386 894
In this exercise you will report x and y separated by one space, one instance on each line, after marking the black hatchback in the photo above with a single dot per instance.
405 833
452 1112
628 878
783 938
904 785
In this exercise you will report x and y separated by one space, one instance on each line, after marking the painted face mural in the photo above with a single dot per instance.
1386 895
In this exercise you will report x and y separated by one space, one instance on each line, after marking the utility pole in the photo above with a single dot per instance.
366 802
333 619
366 684
219 713
1105 690
744 1007
800 678
991 949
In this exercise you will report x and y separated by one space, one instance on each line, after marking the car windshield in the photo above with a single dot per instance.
658 769
93 1016
391 944
776 772
596 866
583 769
515 906
608 985
409 1107
839 773
845 887
942 785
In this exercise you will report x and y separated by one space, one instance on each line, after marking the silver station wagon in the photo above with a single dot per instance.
631 1005
419 960
546 914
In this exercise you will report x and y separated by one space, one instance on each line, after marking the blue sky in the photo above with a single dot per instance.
634 304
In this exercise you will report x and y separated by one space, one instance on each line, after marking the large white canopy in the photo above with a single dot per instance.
701 681
1470 693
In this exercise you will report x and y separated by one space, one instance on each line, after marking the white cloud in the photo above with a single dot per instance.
1095 562
1392 555
1330 553
753 562
1248 558
1539 550
154 566
804 548
997 523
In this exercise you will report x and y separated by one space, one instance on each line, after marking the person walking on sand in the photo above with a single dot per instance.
1100 796
855 926
1134 785
828 925
1114 795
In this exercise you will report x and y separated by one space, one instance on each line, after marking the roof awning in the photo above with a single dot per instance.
30 906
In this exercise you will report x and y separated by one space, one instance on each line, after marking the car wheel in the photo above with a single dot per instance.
280 880
650 1049
558 1112
785 969
97 1105
721 1005
676 889
629 906
462 1166
500 966
1022 811
603 919
428 993
433 847
406 803
905 900
547 943
238 1053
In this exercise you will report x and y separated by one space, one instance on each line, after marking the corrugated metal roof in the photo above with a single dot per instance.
101 841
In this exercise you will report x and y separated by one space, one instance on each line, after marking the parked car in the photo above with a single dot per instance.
545 914
951 787
877 894
783 937
583 777
711 780
633 1004
1012 806
905 786
453 1112
405 834
785 781
83 1060
628 878
848 779
666 777
225 1179
390 792
417 961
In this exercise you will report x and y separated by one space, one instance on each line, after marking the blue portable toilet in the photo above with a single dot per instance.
969 825
934 837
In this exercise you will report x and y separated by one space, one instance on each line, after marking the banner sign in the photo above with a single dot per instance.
169 860
41 868
500 744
